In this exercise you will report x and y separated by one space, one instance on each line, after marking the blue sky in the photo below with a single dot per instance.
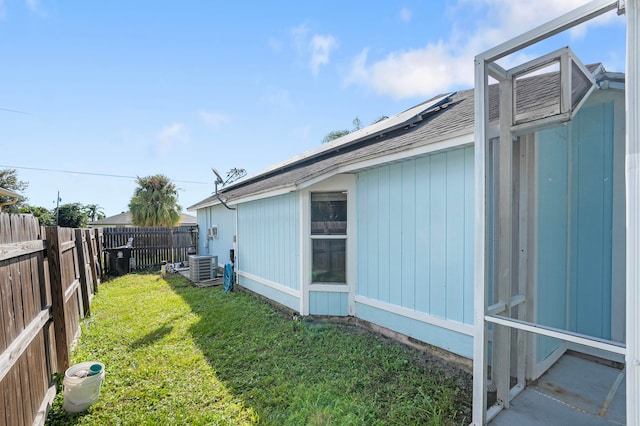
139 88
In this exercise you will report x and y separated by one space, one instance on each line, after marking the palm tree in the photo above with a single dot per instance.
94 212
155 202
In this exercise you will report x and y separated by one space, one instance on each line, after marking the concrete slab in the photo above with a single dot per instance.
575 391
578 382
533 408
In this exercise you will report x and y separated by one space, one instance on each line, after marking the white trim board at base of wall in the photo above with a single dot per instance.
456 326
270 284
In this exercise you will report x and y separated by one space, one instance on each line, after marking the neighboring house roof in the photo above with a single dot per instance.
124 219
438 119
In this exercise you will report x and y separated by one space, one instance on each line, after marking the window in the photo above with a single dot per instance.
329 237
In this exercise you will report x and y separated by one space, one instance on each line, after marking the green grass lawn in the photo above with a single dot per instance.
176 354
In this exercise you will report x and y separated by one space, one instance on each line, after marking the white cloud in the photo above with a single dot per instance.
314 49
213 119
169 136
299 37
321 47
405 14
417 72
476 25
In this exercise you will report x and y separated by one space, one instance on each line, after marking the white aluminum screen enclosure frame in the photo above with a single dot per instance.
485 66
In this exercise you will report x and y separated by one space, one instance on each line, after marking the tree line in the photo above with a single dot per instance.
154 203
73 215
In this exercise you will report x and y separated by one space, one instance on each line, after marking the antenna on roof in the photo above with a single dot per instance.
218 177
232 175
235 174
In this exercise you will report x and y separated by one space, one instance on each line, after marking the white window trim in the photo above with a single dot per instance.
344 182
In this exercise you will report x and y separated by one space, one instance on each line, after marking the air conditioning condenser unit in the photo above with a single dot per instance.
203 268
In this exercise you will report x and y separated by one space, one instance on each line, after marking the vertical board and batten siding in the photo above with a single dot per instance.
575 186
591 221
415 245
269 247
225 220
551 248
328 303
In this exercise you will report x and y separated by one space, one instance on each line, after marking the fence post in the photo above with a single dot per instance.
54 254
85 288
171 244
92 248
99 233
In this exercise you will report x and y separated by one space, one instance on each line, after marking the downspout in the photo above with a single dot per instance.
222 202
220 199
236 257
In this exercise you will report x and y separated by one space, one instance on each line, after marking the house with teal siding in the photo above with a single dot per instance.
500 224
379 224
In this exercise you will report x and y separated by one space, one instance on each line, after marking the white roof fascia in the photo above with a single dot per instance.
203 205
546 30
281 190
612 81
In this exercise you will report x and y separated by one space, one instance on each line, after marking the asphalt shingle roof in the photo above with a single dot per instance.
538 95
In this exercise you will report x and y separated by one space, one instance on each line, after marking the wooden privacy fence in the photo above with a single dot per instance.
48 277
152 244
